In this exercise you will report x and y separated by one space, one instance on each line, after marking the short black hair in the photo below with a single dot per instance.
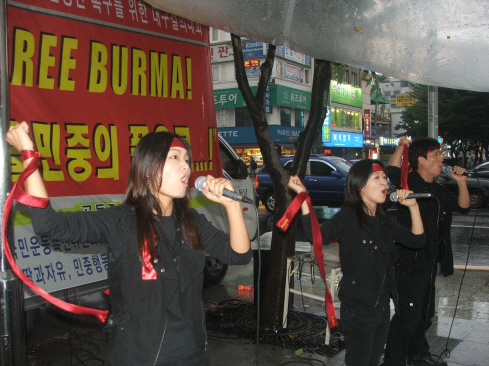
420 147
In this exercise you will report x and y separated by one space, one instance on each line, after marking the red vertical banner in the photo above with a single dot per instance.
366 123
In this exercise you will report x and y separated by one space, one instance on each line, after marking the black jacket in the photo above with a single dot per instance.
438 247
138 321
367 257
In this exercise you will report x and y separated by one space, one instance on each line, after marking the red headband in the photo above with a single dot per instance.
377 168
426 154
178 143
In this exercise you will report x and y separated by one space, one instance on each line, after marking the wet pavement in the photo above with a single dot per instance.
462 316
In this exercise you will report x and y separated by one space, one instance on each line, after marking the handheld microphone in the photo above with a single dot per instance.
394 197
200 184
448 170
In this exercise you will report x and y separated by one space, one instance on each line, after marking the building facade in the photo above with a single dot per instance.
287 101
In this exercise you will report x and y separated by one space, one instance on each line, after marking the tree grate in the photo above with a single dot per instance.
304 331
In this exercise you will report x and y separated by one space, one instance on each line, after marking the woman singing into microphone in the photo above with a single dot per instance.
156 247
368 255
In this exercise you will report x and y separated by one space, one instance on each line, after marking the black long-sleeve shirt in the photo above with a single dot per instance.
367 256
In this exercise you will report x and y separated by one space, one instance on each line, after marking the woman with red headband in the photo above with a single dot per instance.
156 247
368 255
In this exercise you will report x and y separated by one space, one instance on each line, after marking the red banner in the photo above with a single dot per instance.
91 78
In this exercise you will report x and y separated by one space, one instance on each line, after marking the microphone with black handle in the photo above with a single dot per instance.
448 170
200 184
394 197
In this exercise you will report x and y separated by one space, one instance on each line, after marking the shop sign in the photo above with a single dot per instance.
366 123
388 141
293 73
403 100
345 139
252 71
253 49
290 97
287 53
369 142
221 53
246 135
229 98
327 127
268 103
285 134
346 94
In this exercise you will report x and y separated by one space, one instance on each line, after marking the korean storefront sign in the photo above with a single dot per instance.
327 127
287 53
290 97
344 139
366 123
388 141
402 100
346 94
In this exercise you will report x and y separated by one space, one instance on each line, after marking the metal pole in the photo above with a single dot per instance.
12 323
433 112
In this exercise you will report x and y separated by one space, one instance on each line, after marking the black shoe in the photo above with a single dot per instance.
426 360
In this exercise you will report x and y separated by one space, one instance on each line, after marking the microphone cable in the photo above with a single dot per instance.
258 287
447 350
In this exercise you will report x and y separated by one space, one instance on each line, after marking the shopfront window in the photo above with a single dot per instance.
345 118
242 117
299 118
285 118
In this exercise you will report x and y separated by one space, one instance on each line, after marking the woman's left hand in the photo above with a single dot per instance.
402 194
214 187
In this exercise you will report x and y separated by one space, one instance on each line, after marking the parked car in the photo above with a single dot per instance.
478 188
325 180
480 171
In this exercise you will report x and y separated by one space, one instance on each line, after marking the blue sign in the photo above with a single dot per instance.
388 141
287 53
253 49
327 127
246 135
344 139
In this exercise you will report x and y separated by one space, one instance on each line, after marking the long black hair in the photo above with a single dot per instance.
143 183
357 179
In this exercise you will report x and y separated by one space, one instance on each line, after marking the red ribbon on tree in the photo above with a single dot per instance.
317 241
20 195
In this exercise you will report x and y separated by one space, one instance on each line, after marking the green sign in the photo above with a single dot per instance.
230 98
290 97
346 94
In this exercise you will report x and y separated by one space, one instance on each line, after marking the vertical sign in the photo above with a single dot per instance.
327 126
366 123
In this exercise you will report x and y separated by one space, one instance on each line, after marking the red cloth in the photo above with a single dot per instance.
405 167
149 273
177 143
20 195
317 241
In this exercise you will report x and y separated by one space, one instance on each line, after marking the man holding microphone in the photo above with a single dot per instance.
416 269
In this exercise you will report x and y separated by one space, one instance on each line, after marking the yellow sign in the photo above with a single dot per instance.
403 100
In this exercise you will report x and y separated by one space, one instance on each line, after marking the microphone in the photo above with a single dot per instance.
394 197
448 170
200 184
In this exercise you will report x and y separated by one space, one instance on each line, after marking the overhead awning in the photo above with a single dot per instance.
431 42
381 100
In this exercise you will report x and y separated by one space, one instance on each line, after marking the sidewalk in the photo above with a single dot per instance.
63 340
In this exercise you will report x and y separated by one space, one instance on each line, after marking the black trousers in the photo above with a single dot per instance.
365 333
407 334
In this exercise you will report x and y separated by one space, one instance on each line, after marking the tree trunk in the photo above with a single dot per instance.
272 285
